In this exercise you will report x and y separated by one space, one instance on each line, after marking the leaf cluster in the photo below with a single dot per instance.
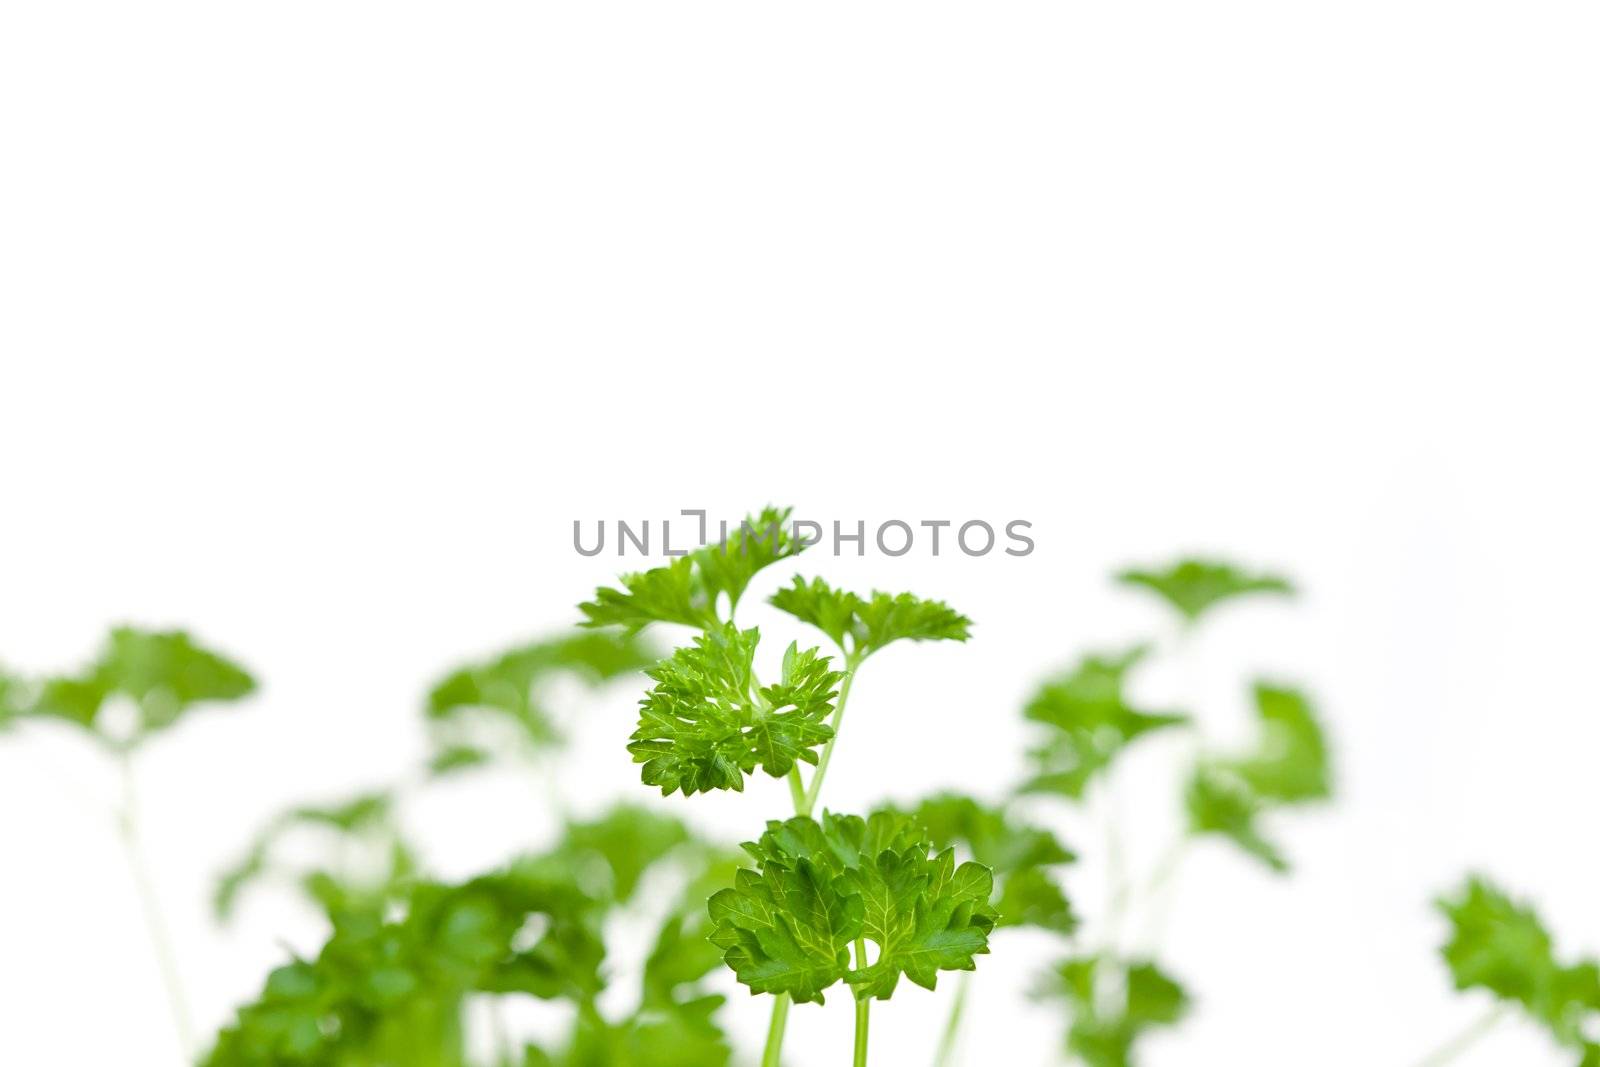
707 723
1500 945
391 990
787 924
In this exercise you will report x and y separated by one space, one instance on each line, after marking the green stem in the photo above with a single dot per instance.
1447 1052
952 1026
797 789
780 1018
805 800
810 799
155 923
863 1009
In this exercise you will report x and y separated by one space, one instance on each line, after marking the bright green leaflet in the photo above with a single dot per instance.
861 626
1194 586
707 723
691 590
1090 721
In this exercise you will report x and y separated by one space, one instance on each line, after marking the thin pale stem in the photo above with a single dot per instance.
150 905
810 799
773 1054
863 1010
1447 1052
952 1027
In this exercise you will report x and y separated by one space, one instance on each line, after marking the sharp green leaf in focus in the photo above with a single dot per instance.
861 626
1090 721
706 724
690 590
786 927
1194 586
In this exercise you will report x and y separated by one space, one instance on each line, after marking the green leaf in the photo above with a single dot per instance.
1500 945
1019 855
365 821
1288 765
13 698
1193 586
1220 802
1107 1023
1290 762
689 589
164 673
705 725
787 926
861 626
619 847
726 569
508 684
1091 722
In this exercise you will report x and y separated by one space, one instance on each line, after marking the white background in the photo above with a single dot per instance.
321 322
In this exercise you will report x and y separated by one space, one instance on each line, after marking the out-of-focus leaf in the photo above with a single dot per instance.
164 674
386 993
861 626
706 725
1090 721
508 684
616 849
365 820
1194 586
1220 802
1290 763
1106 1028
1501 946
1020 856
